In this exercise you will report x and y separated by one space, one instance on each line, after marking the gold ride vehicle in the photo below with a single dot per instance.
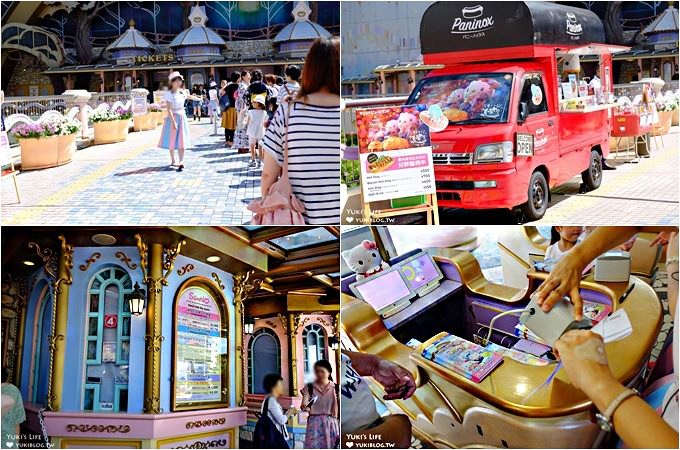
449 410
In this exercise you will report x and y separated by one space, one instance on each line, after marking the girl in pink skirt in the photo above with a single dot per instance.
175 134
320 400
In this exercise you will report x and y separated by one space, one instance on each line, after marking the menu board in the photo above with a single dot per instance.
199 346
394 153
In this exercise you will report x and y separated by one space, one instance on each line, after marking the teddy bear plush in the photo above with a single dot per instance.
364 260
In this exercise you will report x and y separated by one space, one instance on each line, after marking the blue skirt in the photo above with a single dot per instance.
175 138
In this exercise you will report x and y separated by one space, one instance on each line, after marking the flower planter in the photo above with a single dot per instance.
144 122
111 131
665 119
39 153
67 148
675 121
158 117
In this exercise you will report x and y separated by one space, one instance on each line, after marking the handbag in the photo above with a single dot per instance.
279 206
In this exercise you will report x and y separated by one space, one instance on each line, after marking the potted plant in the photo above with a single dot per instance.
67 131
39 144
157 113
110 125
144 122
665 110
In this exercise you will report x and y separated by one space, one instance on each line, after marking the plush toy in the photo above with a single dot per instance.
456 99
477 94
364 260
392 128
407 123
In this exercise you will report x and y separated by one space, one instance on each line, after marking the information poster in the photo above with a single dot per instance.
199 346
394 153
138 105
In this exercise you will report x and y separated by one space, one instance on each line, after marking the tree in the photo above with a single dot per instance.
83 14
613 29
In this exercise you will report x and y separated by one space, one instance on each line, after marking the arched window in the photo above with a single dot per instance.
314 345
41 362
200 364
264 357
107 341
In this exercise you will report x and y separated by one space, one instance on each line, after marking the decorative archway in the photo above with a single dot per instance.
200 352
264 357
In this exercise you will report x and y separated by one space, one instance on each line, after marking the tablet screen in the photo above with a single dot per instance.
383 289
420 271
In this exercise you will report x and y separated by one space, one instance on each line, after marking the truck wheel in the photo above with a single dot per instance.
592 176
537 204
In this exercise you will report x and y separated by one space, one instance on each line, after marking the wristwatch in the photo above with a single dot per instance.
604 418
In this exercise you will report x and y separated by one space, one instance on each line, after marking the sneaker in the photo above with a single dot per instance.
252 163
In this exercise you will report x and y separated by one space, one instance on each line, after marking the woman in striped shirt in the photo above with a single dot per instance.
313 137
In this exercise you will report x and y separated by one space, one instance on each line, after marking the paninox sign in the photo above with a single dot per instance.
472 21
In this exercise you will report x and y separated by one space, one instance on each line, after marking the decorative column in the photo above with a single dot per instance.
80 98
336 333
244 287
152 263
292 329
58 268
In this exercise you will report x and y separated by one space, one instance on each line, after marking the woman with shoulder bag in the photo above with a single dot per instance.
301 176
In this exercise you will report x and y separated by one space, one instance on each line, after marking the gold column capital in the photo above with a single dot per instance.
244 286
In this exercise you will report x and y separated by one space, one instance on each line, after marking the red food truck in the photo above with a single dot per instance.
520 119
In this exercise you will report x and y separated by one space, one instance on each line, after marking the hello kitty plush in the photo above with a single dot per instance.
392 128
407 123
456 98
364 260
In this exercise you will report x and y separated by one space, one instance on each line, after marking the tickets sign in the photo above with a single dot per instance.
394 153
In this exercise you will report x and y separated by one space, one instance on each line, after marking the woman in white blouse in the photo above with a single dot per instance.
273 386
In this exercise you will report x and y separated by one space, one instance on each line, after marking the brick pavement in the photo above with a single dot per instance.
132 183
643 193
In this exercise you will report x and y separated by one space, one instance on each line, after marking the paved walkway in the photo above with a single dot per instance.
643 193
131 183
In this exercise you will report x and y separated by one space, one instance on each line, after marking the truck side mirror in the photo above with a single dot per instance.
523 111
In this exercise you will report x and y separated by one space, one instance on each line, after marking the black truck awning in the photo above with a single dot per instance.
460 26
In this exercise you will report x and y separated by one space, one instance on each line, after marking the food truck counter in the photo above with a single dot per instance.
506 387
588 109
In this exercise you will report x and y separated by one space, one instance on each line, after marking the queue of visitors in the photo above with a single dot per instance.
290 128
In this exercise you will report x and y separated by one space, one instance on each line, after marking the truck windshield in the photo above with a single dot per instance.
467 98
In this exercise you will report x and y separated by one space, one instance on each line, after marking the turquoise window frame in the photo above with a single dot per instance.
116 396
95 398
123 292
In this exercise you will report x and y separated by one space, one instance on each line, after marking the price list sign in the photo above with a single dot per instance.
394 152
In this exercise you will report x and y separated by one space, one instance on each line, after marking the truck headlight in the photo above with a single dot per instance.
500 152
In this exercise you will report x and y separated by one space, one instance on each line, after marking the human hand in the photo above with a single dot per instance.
293 410
564 279
397 381
584 358
661 239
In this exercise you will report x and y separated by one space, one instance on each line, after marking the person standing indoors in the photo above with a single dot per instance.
13 413
309 126
241 104
228 105
289 90
320 400
175 133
